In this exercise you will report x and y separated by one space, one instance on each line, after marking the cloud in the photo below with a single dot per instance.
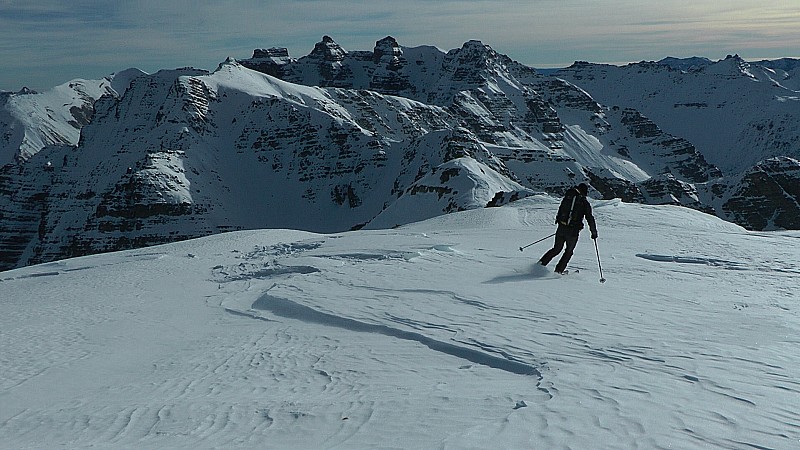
53 41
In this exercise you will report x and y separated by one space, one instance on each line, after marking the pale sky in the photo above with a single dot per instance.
44 43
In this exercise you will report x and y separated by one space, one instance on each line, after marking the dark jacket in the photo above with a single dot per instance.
573 209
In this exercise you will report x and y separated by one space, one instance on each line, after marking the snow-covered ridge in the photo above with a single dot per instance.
724 108
30 120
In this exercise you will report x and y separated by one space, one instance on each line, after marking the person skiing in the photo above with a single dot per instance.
573 209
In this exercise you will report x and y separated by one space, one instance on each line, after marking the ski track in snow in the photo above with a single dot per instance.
341 341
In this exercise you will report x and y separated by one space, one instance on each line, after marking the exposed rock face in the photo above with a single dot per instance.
610 187
667 190
387 48
768 196
678 154
270 60
389 76
26 207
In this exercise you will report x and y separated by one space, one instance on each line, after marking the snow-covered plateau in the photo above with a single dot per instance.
436 334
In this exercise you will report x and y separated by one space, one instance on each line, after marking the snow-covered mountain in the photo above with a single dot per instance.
691 128
31 120
438 334
340 140
742 117
185 153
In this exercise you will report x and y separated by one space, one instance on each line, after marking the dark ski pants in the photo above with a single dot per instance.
564 236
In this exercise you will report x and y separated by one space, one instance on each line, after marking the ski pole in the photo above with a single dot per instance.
602 280
540 240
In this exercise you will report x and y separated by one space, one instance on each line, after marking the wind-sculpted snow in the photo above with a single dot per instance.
286 308
730 265
784 266
290 339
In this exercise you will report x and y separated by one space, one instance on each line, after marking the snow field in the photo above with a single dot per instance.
287 339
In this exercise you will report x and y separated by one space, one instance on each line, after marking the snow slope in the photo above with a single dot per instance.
32 120
288 339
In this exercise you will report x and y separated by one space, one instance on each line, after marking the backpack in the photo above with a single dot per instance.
570 212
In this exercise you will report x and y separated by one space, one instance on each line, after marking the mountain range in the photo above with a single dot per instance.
340 140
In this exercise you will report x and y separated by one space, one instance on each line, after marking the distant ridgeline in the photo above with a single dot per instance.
340 140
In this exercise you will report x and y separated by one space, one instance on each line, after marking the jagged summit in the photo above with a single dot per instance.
732 66
274 52
328 50
387 47
423 73
475 46
475 62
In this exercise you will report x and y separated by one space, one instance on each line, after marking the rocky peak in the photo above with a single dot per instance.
473 64
328 50
389 76
476 47
733 66
475 54
735 58
273 52
582 65
271 61
387 46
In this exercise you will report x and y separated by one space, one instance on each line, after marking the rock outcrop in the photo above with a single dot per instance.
767 197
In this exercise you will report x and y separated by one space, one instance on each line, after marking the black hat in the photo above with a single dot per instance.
583 188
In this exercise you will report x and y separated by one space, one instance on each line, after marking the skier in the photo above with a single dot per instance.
574 208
